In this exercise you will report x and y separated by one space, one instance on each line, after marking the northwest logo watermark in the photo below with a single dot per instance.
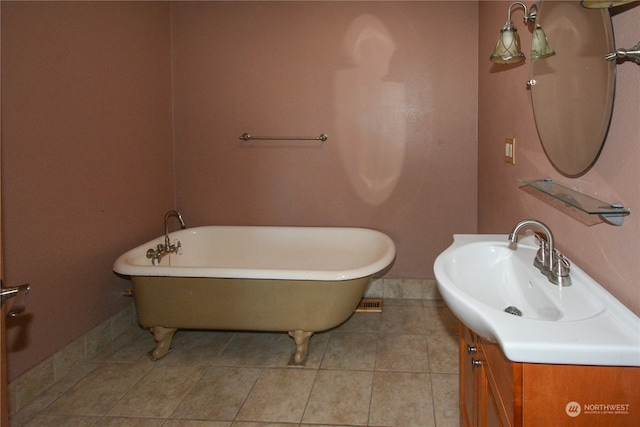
574 409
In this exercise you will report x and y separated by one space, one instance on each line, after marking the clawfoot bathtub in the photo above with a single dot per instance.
298 280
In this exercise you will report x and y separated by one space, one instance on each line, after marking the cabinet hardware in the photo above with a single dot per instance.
471 349
475 362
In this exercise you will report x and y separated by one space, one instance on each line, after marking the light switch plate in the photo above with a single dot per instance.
510 150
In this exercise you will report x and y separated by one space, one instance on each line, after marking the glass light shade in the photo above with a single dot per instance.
603 4
507 49
540 48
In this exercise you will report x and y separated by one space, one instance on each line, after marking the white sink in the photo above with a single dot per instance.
479 276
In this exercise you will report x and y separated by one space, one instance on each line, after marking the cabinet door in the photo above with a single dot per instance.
584 396
491 411
504 379
471 379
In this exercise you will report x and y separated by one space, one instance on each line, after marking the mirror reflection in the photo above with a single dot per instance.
573 91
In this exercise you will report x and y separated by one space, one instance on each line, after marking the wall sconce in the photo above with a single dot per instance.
632 54
507 50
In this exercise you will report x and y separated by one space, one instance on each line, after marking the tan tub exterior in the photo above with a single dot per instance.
299 280
300 307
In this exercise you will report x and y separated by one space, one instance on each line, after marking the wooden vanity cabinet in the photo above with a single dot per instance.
471 378
496 392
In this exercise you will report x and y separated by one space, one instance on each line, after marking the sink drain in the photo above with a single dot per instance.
513 310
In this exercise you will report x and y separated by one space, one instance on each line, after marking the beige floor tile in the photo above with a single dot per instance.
352 351
402 302
443 353
61 421
136 351
257 349
259 424
280 395
440 319
60 387
402 352
377 369
340 397
99 391
122 342
129 422
401 399
20 419
445 399
325 425
404 319
219 394
158 392
361 322
196 423
197 347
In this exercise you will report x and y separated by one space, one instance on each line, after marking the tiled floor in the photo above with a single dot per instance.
395 368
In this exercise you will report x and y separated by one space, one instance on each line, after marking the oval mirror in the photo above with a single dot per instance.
573 91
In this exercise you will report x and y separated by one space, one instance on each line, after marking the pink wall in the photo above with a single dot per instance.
609 254
393 84
88 142
88 139
88 158
87 162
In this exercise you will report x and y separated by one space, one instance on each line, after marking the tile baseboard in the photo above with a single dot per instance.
29 385
420 289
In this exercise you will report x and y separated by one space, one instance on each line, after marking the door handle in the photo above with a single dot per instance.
19 291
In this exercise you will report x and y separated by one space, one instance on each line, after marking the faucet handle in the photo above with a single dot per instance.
177 246
542 256
540 238
541 242
561 268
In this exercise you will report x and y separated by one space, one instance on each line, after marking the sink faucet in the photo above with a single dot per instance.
550 262
161 250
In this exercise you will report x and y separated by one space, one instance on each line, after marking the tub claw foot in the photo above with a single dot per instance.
163 337
301 338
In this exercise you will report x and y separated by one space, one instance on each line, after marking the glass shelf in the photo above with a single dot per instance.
582 207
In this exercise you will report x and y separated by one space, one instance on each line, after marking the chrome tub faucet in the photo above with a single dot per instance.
548 260
168 215
156 255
